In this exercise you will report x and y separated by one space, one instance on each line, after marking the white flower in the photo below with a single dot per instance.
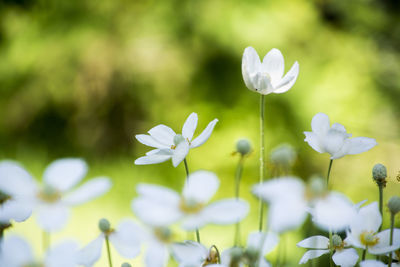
193 254
16 252
15 192
169 145
125 238
159 206
290 201
363 232
266 77
345 257
373 263
335 140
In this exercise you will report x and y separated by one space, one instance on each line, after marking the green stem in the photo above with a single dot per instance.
391 237
108 252
330 246
329 172
238 176
262 160
187 178
380 186
197 235
364 253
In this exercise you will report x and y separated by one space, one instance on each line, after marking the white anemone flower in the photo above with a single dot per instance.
169 145
126 239
319 245
290 201
15 192
364 234
16 252
373 263
159 206
266 77
334 139
194 254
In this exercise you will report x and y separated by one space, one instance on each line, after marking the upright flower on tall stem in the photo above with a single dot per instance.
266 77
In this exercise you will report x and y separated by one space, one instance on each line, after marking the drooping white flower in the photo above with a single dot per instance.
159 206
290 201
319 245
169 145
334 139
364 234
16 252
126 239
15 192
266 77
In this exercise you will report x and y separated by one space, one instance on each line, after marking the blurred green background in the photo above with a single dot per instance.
81 78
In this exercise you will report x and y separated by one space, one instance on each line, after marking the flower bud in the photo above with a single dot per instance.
125 264
104 225
243 146
379 173
336 241
178 139
283 155
317 185
394 204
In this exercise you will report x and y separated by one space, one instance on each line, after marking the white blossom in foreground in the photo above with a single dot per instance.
290 201
192 254
125 238
15 192
267 76
16 252
364 234
159 206
319 245
372 263
169 145
335 140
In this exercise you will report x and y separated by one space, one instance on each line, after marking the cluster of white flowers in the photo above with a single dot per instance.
349 227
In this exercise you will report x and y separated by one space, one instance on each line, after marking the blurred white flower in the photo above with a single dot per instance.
373 263
159 206
169 145
16 252
290 201
335 140
319 245
15 192
266 77
364 234
126 239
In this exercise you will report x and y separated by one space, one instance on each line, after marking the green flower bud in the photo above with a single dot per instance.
283 155
317 185
243 146
379 173
394 204
125 264
178 139
336 240
104 225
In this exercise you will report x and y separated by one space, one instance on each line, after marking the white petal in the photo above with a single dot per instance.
333 143
15 252
358 145
180 153
156 255
294 215
52 217
383 246
226 211
203 137
63 174
200 187
312 254
126 239
190 126
345 257
14 209
273 64
250 65
149 141
62 255
270 241
313 140
288 81
163 134
316 242
88 191
372 263
158 193
90 254
368 219
152 159
320 124
15 180
189 253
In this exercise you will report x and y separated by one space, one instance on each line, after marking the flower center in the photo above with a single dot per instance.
337 242
49 194
177 140
190 206
163 234
369 239
4 197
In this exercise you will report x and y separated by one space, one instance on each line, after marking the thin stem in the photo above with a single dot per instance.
380 186
108 252
197 235
391 237
329 172
262 160
238 176
364 253
186 168
330 246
